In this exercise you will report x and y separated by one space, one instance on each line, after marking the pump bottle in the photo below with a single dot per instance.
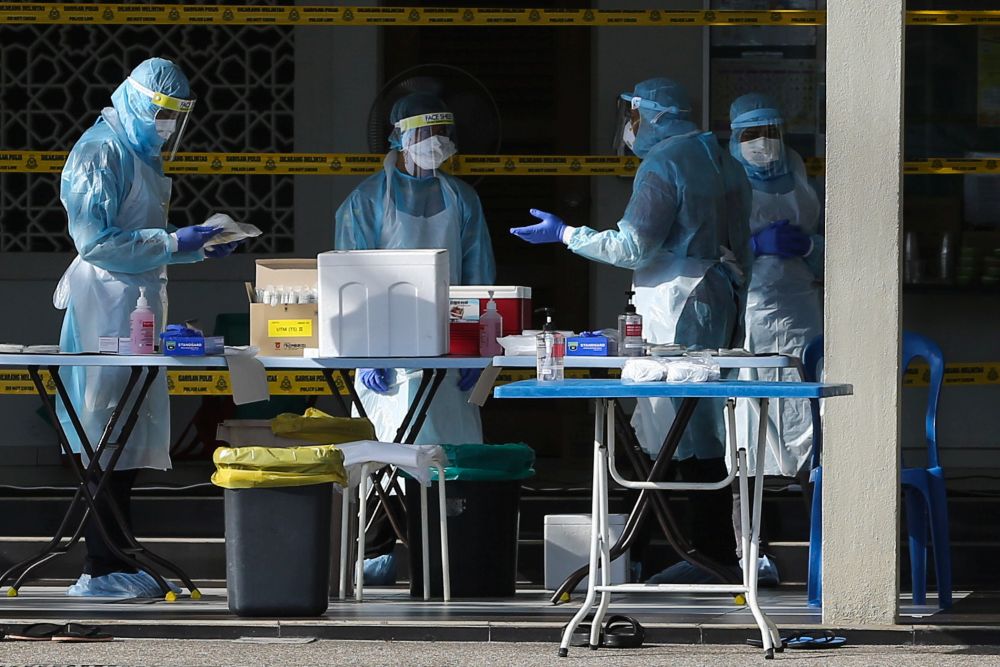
630 330
143 326
550 351
490 328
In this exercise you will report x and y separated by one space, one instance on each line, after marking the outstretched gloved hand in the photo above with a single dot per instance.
376 379
549 230
781 238
467 378
194 237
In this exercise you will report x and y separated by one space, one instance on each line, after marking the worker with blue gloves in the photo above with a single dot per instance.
784 305
412 204
685 235
116 199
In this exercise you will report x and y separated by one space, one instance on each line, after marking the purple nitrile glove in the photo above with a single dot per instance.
549 230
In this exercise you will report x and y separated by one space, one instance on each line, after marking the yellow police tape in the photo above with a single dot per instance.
306 15
311 383
362 164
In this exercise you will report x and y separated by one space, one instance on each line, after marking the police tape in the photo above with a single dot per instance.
311 383
318 15
363 164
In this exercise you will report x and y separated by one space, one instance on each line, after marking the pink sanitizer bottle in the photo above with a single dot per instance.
143 326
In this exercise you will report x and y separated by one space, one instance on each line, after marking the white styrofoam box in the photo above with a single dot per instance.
383 303
254 433
567 547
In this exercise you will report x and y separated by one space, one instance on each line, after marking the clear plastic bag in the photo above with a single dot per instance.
231 230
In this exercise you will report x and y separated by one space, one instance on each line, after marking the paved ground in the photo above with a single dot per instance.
189 653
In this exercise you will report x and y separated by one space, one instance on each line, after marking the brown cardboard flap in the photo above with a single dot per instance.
286 272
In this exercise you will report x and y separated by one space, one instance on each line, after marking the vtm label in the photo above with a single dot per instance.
289 328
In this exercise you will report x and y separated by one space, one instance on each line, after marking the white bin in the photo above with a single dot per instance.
567 547
383 303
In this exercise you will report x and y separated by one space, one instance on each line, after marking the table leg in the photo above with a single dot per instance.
594 532
331 382
605 536
751 545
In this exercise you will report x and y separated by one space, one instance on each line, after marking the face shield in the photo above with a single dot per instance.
427 142
630 117
170 117
758 142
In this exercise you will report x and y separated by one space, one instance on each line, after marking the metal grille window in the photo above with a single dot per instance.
54 80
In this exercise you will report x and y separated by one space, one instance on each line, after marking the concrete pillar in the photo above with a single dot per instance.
864 191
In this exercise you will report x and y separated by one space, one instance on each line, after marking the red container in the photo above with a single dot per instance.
468 302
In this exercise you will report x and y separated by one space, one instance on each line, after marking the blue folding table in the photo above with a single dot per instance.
605 393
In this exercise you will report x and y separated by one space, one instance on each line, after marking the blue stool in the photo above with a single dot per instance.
924 492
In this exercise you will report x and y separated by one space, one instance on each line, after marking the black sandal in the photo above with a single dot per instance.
76 632
581 636
623 632
36 632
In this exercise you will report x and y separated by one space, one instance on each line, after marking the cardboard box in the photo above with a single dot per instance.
284 331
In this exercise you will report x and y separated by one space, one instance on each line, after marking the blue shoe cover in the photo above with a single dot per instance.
120 585
380 571
686 573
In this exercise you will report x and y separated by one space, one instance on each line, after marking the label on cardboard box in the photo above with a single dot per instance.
290 328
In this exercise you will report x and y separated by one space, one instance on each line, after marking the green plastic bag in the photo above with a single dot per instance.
321 428
487 463
271 467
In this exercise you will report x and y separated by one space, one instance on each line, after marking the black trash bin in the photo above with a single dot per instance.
278 504
483 487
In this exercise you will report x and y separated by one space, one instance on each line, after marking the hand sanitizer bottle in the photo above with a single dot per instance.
143 326
550 351
490 328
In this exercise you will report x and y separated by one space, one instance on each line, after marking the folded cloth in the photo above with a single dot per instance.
415 460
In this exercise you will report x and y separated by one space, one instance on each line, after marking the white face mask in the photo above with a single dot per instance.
628 135
165 127
761 152
431 153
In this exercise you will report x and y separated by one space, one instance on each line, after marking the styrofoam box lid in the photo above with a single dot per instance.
483 292
395 257
289 271
581 519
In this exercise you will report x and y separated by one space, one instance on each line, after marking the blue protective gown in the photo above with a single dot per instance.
685 235
116 198
784 304
392 209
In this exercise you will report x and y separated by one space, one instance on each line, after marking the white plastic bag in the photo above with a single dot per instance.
672 369
231 230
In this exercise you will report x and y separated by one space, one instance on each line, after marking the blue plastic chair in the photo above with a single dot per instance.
924 492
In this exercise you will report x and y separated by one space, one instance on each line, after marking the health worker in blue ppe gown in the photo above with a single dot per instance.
784 306
116 199
412 204
684 234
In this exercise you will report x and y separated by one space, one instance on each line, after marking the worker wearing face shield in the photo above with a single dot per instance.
116 199
413 204
784 305
685 236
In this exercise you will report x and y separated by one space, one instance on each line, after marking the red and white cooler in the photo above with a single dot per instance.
468 302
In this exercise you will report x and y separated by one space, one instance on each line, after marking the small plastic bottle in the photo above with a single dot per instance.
550 351
630 331
143 326
490 328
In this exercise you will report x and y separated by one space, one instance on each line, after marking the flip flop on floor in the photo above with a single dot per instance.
36 632
827 640
581 635
75 632
623 632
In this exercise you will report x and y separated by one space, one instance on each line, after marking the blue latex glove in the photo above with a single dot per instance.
221 250
376 379
194 237
781 238
467 378
549 230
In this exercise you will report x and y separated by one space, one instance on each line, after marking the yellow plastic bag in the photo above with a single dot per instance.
321 428
270 467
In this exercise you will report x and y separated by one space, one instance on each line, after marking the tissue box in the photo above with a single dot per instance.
192 346
588 346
